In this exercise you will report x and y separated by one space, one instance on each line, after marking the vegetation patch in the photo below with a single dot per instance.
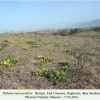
57 44
10 61
91 53
7 41
44 59
53 75
34 44
4 44
1 48
64 63
25 48
68 50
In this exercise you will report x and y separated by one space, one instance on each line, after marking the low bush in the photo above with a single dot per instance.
74 31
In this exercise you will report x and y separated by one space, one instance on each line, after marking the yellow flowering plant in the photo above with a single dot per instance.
43 59
54 75
9 61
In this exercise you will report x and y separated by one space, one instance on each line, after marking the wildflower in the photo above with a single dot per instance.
8 60
1 62
5 62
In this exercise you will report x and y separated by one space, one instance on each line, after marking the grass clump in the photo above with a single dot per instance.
91 53
57 44
3 45
24 48
53 75
7 41
33 44
68 50
44 59
10 61
64 63
65 66
1 48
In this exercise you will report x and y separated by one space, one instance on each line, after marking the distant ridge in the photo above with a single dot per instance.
93 23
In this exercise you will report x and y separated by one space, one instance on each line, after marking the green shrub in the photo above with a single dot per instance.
65 63
74 31
1 48
63 32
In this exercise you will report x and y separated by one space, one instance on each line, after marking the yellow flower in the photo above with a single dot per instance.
5 62
57 73
36 73
8 60
1 62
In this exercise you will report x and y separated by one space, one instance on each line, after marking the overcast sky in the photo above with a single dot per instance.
35 15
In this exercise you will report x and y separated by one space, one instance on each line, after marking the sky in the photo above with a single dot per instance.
37 15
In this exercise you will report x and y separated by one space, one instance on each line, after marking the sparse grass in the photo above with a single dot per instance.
57 44
3 45
91 53
33 44
74 57
7 41
67 50
1 48
25 48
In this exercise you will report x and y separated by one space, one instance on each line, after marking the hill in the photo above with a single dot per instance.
93 23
